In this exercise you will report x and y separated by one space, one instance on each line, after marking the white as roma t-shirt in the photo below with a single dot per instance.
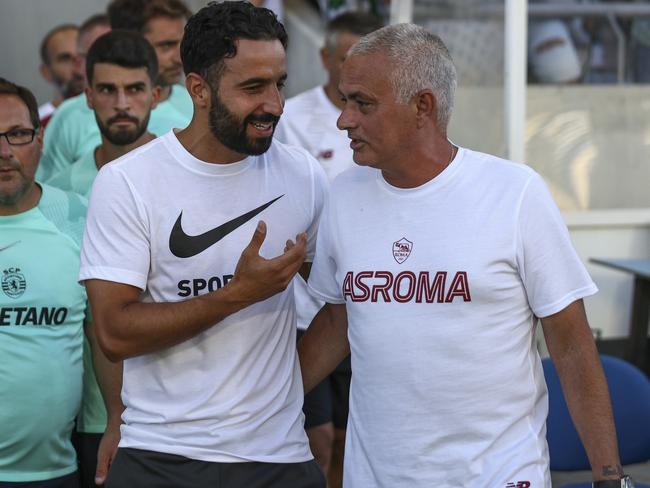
174 226
442 284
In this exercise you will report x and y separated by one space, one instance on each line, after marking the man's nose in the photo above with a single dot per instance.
275 103
346 119
122 100
5 148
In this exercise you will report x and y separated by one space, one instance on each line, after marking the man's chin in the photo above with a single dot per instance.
122 138
166 81
260 146
73 91
12 192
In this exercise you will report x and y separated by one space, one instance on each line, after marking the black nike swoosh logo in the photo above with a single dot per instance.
183 246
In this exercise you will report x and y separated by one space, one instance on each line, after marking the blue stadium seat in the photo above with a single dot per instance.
630 392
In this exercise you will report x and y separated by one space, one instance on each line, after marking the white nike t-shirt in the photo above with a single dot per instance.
309 121
442 284
232 393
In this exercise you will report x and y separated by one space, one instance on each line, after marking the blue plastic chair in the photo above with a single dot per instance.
630 393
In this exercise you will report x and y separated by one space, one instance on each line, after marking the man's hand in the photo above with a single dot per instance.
257 278
127 327
107 451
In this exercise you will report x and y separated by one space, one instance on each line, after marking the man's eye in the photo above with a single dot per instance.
166 46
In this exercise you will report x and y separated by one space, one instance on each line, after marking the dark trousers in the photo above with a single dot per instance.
136 468
87 446
68 481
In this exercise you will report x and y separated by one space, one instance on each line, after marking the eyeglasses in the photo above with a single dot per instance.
19 137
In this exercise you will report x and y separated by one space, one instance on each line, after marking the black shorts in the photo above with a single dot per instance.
329 400
136 468
68 481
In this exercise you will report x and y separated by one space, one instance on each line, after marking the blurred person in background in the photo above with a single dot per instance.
552 54
74 133
67 135
161 22
309 121
121 70
58 52
92 28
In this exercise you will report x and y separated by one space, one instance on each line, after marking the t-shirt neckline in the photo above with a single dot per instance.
192 163
435 184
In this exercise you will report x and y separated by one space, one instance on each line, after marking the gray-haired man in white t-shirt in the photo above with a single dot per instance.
435 269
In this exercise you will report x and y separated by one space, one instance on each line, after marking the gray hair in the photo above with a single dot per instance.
420 60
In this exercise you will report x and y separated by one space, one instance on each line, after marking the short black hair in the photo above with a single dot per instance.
93 21
9 88
45 57
134 14
123 48
210 34
357 23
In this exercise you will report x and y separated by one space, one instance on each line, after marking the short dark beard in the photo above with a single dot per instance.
123 138
70 88
230 130
11 199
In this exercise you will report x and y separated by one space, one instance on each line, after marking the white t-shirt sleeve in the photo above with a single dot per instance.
551 271
322 279
116 243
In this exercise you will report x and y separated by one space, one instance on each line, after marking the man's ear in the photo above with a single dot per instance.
425 106
45 72
325 57
199 90
89 98
155 96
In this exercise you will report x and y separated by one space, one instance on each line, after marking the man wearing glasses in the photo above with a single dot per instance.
42 307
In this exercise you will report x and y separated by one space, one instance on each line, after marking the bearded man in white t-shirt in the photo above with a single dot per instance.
435 262
192 290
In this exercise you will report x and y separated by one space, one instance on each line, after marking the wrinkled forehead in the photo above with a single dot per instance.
370 71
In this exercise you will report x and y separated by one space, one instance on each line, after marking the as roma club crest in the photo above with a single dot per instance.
402 250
